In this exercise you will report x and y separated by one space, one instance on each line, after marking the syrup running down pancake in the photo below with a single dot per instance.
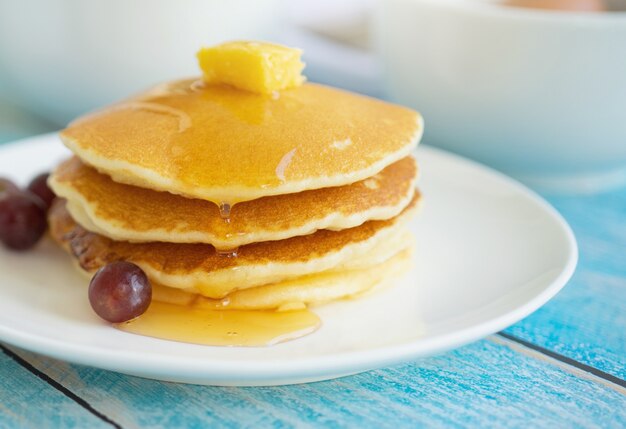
200 269
128 213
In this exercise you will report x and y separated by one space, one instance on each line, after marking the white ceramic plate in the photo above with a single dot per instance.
489 253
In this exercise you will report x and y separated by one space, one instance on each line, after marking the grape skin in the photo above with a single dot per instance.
39 186
120 292
22 220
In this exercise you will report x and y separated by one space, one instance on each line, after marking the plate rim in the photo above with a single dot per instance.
318 367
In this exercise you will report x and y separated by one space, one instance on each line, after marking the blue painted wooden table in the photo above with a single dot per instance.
563 366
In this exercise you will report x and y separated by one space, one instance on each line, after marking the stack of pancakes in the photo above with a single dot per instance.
235 200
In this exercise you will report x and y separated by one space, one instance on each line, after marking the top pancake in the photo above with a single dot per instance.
221 144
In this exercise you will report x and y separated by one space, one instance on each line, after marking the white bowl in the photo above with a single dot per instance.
538 94
60 58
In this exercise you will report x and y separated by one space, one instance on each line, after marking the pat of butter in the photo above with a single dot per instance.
252 66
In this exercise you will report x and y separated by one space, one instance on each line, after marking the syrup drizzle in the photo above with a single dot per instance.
186 323
284 163
225 211
228 253
184 120
197 85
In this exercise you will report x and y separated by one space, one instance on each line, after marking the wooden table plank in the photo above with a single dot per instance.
486 384
587 320
27 401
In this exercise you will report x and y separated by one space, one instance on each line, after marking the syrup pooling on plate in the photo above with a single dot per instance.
221 328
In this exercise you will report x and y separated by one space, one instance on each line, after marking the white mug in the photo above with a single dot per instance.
538 94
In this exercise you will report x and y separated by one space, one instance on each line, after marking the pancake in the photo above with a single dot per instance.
128 213
200 269
224 145
315 289
312 290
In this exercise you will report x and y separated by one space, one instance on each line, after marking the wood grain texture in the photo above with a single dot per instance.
486 384
26 401
587 320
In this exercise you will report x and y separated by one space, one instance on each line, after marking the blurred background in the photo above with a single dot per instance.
79 55
534 88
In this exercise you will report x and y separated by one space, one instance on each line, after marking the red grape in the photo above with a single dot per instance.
119 292
39 186
7 186
22 220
